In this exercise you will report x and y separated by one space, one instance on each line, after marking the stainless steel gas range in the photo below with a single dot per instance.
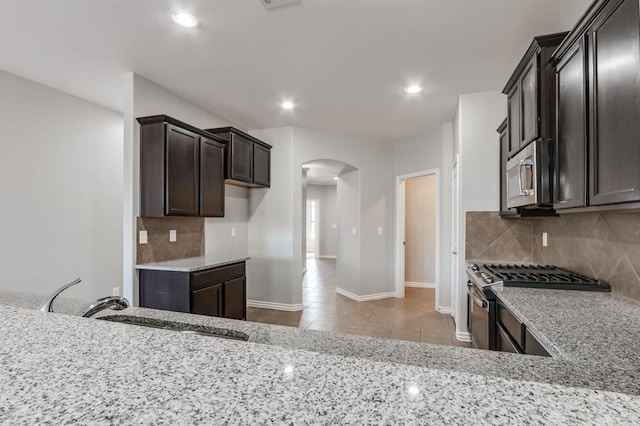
482 301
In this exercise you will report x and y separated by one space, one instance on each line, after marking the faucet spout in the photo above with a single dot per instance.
47 305
112 302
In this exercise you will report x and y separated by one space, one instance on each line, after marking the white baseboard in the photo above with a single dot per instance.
273 305
463 336
366 297
326 256
419 285
443 310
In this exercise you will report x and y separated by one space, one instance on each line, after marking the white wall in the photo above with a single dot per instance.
60 191
328 212
274 273
144 98
420 229
273 214
350 260
478 117
431 150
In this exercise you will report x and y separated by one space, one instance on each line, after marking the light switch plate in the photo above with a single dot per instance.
353 231
233 232
379 230
334 226
143 237
116 291
172 236
544 240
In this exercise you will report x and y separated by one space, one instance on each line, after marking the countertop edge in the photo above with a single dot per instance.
176 267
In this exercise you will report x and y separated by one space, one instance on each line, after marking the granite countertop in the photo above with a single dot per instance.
190 264
64 369
342 377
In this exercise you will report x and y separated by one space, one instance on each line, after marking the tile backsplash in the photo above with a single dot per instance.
602 245
189 238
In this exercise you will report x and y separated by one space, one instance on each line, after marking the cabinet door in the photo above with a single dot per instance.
211 178
241 158
571 129
261 165
235 301
207 301
529 115
614 140
504 153
181 175
513 119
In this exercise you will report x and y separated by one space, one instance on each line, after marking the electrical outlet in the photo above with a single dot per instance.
379 230
115 291
143 237
353 231
334 226
233 232
172 236
544 240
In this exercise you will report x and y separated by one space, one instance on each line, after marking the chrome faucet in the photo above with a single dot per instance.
113 302
116 303
47 305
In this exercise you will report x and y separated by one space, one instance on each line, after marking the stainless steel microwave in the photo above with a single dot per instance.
530 174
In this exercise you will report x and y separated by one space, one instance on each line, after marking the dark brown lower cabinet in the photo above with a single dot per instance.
217 292
207 301
514 336
235 305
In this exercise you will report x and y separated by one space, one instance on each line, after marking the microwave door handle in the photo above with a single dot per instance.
523 166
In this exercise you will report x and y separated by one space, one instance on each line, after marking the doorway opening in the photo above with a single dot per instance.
313 228
417 232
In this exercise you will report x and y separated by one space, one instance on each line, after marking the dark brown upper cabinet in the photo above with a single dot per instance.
531 94
614 104
248 159
181 169
598 73
571 129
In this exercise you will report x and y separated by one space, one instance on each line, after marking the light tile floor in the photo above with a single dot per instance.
413 318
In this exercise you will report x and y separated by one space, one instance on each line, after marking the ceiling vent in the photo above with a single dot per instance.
270 4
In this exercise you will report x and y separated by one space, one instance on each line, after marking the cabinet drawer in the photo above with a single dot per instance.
504 342
533 347
217 275
514 327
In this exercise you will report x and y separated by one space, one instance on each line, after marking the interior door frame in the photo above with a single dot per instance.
400 228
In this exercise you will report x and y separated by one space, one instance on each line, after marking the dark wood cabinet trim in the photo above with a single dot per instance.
168 119
581 28
549 40
223 131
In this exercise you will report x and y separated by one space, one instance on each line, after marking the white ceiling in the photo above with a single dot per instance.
343 62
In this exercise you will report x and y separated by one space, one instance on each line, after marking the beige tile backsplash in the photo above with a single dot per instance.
603 245
189 238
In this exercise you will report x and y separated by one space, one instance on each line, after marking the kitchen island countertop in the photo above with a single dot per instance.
284 374
191 264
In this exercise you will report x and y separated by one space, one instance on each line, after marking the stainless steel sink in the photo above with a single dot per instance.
180 327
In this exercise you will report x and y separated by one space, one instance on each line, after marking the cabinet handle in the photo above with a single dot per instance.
523 166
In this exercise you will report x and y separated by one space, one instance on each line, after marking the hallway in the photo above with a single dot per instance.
413 318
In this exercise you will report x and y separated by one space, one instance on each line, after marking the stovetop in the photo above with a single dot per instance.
533 276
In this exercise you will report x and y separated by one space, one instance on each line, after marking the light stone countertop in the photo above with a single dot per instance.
342 378
191 264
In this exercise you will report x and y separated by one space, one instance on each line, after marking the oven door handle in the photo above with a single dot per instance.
482 303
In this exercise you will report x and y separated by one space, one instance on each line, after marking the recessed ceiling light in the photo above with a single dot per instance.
287 105
184 19
414 88
335 178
